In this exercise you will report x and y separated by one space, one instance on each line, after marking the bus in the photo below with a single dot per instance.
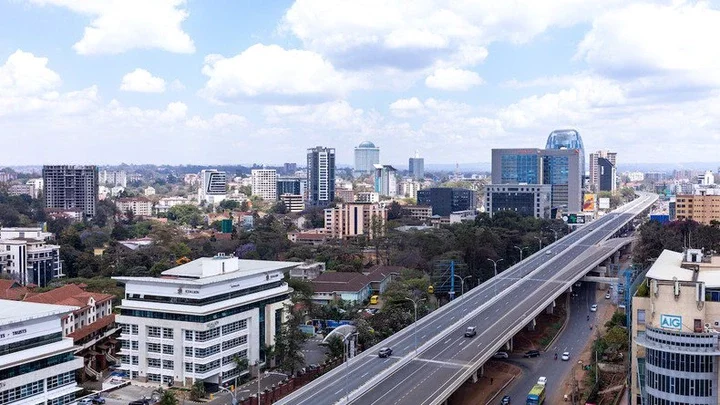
536 395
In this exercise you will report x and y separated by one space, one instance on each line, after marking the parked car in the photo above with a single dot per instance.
542 380
607 296
85 401
566 356
385 352
500 355
505 400
593 308
470 331
532 353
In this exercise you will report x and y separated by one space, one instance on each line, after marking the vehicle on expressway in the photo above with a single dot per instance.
566 356
536 395
505 400
593 308
500 355
385 352
542 381
470 331
532 353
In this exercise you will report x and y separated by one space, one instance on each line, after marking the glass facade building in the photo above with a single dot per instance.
366 156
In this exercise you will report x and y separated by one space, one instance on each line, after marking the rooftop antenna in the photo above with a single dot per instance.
417 154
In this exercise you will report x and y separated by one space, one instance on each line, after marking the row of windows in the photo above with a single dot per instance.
203 368
157 347
201 318
231 358
207 335
23 391
65 399
60 380
680 362
30 343
209 351
208 300
706 343
679 386
128 329
234 342
234 327
34 365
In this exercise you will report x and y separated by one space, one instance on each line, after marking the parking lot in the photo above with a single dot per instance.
127 394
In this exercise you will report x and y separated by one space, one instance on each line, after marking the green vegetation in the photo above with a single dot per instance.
197 391
656 237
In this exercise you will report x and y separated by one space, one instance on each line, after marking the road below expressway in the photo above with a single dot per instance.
498 308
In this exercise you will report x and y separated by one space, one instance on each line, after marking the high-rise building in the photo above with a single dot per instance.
190 324
525 199
444 200
568 139
559 168
37 365
289 168
27 258
113 178
321 175
386 180
350 220
596 171
71 188
416 167
607 175
213 186
264 183
676 331
366 156
290 185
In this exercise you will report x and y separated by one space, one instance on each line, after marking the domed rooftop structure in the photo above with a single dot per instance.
565 139
366 144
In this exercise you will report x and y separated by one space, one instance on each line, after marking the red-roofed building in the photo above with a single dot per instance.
12 290
351 286
92 326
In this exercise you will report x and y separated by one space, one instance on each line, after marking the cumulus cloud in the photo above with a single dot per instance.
142 81
24 74
122 25
271 74
220 121
453 79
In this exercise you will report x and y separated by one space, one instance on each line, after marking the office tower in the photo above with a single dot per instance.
559 168
290 185
290 168
595 171
607 175
321 175
444 201
366 156
385 180
71 188
213 186
416 167
355 219
527 200
27 258
264 183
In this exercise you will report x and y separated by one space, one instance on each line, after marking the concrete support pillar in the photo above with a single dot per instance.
550 309
509 345
475 376
532 324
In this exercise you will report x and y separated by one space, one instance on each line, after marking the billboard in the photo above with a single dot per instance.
604 203
589 203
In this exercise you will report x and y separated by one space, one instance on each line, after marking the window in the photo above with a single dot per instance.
153 377
208 351
640 317
134 329
188 335
207 335
234 342
153 331
153 363
168 349
168 364
134 344
167 333
153 347
189 367
60 380
234 327
125 344
134 360
124 326
188 351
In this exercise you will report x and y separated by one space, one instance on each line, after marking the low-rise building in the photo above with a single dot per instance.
293 202
164 204
345 195
703 208
312 237
351 286
32 233
676 331
355 219
149 191
367 197
418 212
460 216
23 189
139 206
524 199
307 270
37 364
189 324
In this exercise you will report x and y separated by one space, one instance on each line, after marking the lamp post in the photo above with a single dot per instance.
555 232
257 364
521 250
415 304
539 242
346 355
495 262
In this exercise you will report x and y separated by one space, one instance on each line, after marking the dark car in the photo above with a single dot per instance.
385 352
505 400
97 400
470 331
532 353
143 401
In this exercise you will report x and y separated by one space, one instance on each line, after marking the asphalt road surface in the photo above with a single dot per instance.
496 308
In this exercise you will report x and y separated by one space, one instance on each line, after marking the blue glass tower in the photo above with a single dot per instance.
567 139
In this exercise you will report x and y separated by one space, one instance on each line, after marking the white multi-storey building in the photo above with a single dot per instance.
188 325
164 204
264 183
139 206
213 186
27 258
37 365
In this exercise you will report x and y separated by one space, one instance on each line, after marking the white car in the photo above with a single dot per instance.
607 296
542 380
566 356
593 308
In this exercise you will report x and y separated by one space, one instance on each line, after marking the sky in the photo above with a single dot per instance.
238 82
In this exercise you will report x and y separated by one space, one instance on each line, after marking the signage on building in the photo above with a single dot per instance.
604 203
9 334
673 322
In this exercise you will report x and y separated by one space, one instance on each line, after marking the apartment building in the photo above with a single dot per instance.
27 258
703 208
189 324
69 188
265 183
37 364
353 220
213 186
139 206
418 212
293 203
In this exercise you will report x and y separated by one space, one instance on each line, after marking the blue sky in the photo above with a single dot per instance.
209 82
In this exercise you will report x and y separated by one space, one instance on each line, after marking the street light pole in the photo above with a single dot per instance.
415 304
539 242
555 232
495 262
257 364
521 250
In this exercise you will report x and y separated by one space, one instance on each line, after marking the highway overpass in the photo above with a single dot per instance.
499 308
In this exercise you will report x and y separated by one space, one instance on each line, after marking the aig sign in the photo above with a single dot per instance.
671 322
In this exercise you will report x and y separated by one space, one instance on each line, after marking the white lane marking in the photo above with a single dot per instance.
448 341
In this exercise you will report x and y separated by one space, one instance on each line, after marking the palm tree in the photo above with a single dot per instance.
166 397
197 391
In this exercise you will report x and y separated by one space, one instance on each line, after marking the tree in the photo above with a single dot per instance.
229 205
185 214
302 290
280 208
315 216
336 346
289 343
167 397
197 391
394 211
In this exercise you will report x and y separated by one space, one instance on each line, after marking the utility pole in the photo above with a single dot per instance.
539 243
495 262
521 251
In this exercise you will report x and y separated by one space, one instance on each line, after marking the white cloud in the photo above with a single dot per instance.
271 74
406 106
122 25
142 81
220 121
669 45
453 79
25 74
177 85
335 114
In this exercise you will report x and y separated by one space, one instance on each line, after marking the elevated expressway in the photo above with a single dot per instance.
499 308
